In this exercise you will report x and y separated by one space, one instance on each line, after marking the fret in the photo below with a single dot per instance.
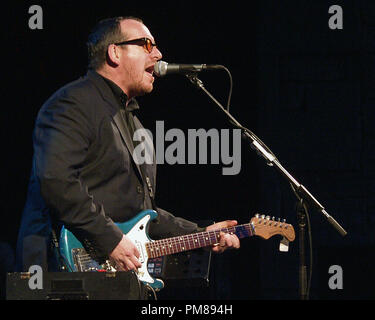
206 239
183 248
201 239
213 237
196 242
217 236
170 245
163 247
180 245
189 242
149 250
176 247
243 231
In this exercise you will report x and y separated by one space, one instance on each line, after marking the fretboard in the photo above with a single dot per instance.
192 241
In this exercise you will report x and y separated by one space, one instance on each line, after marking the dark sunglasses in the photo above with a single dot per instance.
146 43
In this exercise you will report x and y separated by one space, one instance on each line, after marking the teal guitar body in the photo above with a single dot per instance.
78 260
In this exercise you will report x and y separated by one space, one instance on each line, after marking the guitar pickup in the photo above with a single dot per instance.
139 246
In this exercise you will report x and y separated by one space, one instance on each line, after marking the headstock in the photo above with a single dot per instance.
266 227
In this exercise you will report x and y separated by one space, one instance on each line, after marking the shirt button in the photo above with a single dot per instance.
139 189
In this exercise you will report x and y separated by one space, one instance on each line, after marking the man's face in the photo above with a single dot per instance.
137 64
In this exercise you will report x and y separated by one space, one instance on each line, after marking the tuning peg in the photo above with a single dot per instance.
257 215
286 225
274 222
279 223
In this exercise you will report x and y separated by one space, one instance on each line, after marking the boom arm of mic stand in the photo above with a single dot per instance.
261 149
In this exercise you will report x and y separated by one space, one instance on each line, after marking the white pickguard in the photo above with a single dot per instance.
138 236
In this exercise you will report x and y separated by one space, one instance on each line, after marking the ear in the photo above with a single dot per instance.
113 54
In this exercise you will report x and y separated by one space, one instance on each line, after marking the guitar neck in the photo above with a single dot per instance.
197 240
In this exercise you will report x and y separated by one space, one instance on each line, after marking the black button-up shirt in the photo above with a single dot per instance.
126 108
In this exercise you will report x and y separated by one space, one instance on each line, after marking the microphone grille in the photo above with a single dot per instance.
160 68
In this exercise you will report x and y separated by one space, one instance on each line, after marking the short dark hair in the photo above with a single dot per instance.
106 32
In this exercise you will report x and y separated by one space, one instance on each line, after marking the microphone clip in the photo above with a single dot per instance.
193 77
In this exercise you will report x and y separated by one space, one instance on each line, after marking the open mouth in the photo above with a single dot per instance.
150 70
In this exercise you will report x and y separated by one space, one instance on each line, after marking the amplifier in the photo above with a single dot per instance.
75 286
187 269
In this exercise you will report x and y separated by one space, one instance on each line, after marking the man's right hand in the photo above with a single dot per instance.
125 255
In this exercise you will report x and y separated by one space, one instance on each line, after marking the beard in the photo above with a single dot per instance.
141 86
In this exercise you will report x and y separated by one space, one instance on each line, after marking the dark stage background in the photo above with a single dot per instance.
307 91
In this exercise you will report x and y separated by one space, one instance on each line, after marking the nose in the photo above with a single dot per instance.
156 54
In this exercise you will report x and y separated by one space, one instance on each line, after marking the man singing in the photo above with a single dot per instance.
83 173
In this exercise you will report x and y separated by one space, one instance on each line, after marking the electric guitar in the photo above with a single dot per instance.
78 260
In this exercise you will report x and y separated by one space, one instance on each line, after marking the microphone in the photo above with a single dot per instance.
163 68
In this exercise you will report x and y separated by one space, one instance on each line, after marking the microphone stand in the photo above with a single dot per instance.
303 195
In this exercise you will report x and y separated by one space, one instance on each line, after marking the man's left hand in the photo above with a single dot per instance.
226 240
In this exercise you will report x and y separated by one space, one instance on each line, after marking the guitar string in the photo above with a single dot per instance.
210 236
173 242
187 242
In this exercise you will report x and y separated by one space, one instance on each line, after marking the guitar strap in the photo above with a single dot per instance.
150 190
129 117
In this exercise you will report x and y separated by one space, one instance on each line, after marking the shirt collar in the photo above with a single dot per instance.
121 96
